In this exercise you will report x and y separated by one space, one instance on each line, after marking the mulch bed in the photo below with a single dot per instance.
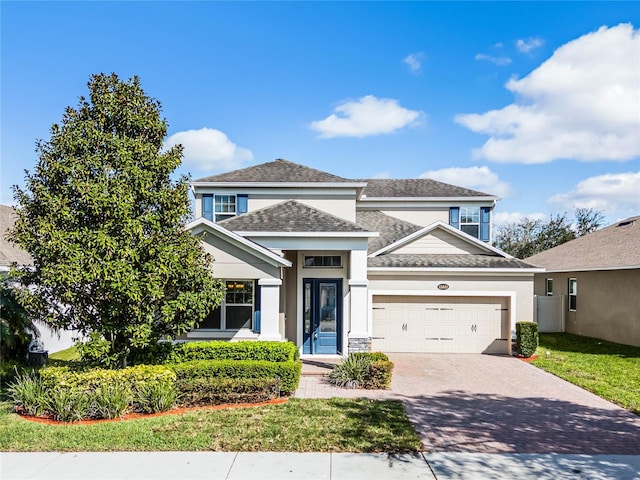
136 416
528 359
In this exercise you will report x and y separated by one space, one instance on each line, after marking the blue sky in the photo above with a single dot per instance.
536 102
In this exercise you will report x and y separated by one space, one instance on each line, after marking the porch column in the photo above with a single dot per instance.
359 335
269 308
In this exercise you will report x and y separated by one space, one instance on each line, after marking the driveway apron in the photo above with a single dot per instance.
499 404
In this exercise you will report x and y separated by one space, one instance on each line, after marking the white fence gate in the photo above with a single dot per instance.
549 313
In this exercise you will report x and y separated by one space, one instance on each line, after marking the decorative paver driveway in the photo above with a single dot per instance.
497 404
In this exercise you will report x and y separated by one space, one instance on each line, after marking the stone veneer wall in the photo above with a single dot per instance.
359 345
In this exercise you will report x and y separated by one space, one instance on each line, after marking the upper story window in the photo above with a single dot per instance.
548 287
217 207
475 221
573 294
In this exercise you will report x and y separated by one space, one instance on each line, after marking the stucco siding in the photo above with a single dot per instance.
231 262
438 242
419 216
343 207
521 286
607 303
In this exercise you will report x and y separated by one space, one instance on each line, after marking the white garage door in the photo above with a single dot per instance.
440 324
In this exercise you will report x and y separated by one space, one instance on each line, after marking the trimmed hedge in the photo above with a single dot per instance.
527 338
287 372
199 391
166 352
133 377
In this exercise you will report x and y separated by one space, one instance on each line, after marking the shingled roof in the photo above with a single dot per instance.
397 260
9 252
290 216
616 246
282 171
391 229
416 188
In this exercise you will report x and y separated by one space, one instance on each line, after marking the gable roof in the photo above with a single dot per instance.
409 188
391 229
277 171
614 247
204 225
292 217
447 228
9 251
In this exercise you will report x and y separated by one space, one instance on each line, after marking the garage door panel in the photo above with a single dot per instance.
440 324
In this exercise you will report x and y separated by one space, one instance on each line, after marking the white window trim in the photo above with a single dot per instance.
223 309
461 223
569 294
226 214
547 292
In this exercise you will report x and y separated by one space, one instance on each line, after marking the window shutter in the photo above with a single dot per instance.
242 204
454 217
485 223
207 206
256 307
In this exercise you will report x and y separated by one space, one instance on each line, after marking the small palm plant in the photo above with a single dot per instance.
352 372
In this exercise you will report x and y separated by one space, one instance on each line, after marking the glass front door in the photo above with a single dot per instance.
322 308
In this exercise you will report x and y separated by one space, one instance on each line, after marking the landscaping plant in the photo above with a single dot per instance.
527 338
363 370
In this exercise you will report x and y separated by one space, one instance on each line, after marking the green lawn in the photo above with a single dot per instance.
68 355
610 370
300 425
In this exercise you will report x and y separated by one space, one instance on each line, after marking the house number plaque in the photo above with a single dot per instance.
443 286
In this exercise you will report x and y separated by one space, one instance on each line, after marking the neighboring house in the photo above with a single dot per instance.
338 265
9 254
599 275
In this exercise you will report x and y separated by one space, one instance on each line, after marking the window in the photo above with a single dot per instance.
327 261
219 207
224 206
573 294
236 310
548 287
474 221
470 220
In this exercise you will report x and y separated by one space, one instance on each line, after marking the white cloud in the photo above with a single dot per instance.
500 218
381 175
209 149
366 116
501 61
414 61
525 46
476 178
582 104
617 195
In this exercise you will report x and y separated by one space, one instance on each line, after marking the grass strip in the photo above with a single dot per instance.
300 425
610 370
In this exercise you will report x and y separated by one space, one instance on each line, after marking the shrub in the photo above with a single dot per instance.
287 372
527 338
351 372
28 393
155 397
215 390
110 400
165 352
91 379
69 404
370 370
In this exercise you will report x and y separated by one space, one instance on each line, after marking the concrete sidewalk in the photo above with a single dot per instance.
303 466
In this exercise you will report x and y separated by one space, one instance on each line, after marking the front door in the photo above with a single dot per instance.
322 307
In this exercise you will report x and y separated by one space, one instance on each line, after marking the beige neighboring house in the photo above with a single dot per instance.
599 276
9 254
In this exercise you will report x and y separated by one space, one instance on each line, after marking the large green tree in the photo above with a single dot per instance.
104 223
528 236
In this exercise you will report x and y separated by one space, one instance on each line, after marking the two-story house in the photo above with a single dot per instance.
339 265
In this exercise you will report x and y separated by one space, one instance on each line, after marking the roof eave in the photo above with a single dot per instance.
489 198
232 184
309 234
